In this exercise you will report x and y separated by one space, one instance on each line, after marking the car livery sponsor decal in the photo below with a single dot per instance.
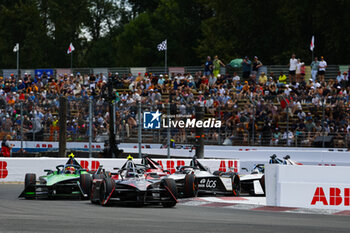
227 183
207 183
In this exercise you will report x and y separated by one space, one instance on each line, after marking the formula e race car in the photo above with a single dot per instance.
153 168
67 181
134 186
254 183
196 179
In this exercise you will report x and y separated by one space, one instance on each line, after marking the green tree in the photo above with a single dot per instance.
176 21
127 32
136 45
66 19
20 22
275 29
103 16
141 6
106 20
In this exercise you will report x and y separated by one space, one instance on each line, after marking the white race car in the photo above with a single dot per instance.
254 183
197 179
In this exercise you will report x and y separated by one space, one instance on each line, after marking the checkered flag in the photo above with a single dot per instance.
162 46
16 48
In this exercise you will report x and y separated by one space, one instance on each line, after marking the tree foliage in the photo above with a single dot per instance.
273 29
109 33
177 21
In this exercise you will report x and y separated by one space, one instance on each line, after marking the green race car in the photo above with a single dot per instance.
67 181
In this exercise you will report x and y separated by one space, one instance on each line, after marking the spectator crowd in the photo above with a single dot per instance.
257 107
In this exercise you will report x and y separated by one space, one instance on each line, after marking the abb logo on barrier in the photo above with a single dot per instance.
170 165
93 146
3 170
49 145
230 164
94 165
335 197
43 145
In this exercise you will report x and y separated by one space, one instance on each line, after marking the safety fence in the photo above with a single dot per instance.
332 70
243 122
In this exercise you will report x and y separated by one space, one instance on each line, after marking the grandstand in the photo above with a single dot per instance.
40 107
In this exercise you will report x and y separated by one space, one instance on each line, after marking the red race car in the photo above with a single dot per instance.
138 184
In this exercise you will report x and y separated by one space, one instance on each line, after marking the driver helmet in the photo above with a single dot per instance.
255 171
70 170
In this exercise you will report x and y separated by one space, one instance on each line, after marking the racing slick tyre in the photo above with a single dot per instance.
190 187
85 184
217 173
170 185
29 183
236 184
106 190
92 199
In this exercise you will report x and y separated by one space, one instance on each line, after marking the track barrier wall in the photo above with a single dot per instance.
319 187
247 155
14 169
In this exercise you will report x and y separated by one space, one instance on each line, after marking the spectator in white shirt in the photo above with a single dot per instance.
298 70
292 68
189 77
288 136
287 90
235 78
314 68
209 104
212 80
322 69
340 77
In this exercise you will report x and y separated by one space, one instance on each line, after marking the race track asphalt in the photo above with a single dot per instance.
19 215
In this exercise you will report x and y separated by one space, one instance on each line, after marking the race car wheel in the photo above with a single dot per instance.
236 184
106 189
170 185
95 198
190 187
217 173
29 182
86 183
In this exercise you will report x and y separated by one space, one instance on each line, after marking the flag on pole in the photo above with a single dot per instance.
70 48
16 48
312 44
162 46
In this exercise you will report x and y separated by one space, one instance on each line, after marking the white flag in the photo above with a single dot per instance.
16 48
162 46
312 44
70 48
